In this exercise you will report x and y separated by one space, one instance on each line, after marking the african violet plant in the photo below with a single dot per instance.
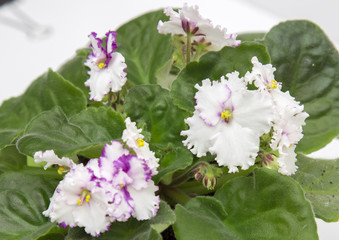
172 128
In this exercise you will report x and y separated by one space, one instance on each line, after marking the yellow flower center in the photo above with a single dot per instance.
227 115
61 170
101 65
274 84
141 142
85 196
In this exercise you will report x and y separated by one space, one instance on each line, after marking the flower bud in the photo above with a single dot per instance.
270 161
209 181
208 174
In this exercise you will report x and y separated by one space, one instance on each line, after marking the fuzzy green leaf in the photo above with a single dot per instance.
178 159
54 130
320 181
264 206
144 49
45 93
154 106
23 198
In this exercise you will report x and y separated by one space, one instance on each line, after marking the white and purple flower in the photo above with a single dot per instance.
189 21
107 67
114 187
52 159
228 121
289 115
135 140
80 201
130 175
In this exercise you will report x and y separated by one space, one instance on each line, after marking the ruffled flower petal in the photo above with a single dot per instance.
146 202
116 68
188 20
211 100
253 110
51 158
78 201
262 76
235 146
287 160
198 135
134 139
99 84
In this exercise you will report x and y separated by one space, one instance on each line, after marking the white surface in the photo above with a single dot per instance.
22 59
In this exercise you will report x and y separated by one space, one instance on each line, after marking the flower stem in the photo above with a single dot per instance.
188 49
175 195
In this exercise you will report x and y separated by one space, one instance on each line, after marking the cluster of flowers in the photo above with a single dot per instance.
113 187
232 118
229 120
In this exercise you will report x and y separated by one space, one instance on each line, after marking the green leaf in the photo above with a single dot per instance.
178 159
11 159
251 36
164 218
54 130
75 71
23 198
266 205
46 92
320 181
154 106
144 49
308 66
202 218
132 229
213 65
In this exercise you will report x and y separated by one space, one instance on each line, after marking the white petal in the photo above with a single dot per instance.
287 128
116 69
253 110
109 154
99 83
145 200
234 82
198 135
173 27
139 172
92 215
218 37
131 134
215 35
145 153
122 206
51 158
284 102
235 146
211 100
64 205
262 75
287 159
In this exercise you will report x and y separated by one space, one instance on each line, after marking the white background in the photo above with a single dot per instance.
67 23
